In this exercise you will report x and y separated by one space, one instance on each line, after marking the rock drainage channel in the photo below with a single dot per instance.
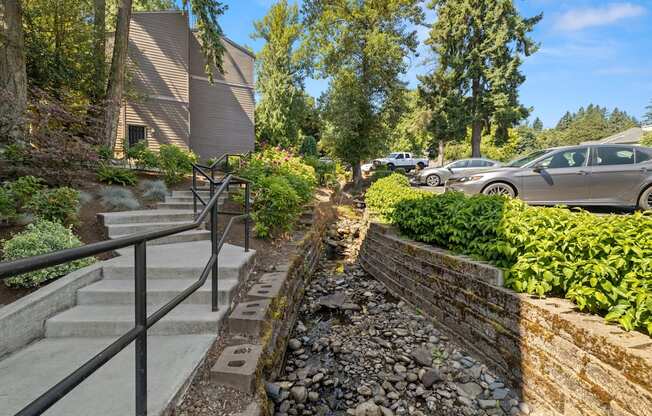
356 350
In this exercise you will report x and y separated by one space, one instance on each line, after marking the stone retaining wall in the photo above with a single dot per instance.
566 362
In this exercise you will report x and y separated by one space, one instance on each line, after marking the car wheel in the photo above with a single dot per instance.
433 180
390 166
499 188
645 200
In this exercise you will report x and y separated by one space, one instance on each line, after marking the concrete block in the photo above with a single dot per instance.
236 367
265 290
275 277
248 317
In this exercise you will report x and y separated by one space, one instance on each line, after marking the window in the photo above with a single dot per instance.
613 155
135 134
459 164
399 156
479 163
572 158
642 156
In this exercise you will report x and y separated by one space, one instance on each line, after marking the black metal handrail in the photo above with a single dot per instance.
141 321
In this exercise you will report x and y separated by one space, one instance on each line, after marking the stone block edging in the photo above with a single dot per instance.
570 362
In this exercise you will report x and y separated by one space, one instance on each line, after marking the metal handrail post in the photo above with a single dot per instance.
214 252
194 187
140 275
247 212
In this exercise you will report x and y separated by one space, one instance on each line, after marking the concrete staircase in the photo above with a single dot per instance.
104 310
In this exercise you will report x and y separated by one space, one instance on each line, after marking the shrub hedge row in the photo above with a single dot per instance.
601 263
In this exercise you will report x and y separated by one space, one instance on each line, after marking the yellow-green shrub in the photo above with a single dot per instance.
385 193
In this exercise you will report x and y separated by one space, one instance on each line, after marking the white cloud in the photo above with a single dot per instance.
581 18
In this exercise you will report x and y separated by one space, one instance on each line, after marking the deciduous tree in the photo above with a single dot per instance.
361 47
482 43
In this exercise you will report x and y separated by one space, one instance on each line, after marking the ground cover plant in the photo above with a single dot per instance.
39 238
281 184
601 263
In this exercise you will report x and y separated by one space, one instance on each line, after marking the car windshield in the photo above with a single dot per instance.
519 163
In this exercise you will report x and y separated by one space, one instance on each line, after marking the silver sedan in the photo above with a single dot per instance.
438 176
594 175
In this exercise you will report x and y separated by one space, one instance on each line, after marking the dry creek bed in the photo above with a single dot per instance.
356 350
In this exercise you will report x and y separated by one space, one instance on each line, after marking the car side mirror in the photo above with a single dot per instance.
538 168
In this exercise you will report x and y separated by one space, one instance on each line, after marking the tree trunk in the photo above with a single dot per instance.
476 138
357 173
13 76
115 86
441 148
99 51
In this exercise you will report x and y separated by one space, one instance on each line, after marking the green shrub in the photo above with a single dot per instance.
647 139
24 188
143 157
276 206
7 205
175 162
309 147
326 171
105 153
601 263
40 238
385 193
116 176
117 198
273 166
58 204
379 173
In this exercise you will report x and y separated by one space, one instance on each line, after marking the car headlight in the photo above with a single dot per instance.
470 178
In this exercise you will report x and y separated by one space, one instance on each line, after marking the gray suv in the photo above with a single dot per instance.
609 175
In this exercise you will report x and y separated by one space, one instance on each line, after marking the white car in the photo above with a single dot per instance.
403 160
436 176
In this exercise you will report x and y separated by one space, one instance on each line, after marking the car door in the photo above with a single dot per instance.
614 175
559 178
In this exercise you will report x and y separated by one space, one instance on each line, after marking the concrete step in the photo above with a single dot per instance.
125 229
179 205
184 237
121 292
172 360
115 320
146 216
189 199
182 261
189 194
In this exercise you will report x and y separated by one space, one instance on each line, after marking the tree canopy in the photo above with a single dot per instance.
361 47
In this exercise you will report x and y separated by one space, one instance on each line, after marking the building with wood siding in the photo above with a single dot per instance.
174 103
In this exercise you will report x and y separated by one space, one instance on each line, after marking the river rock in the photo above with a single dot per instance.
422 356
368 409
299 393
430 377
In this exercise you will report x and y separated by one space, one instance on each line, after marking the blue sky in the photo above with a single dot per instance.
592 51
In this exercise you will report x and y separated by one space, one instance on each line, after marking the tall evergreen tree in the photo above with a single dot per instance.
481 43
361 47
647 118
537 124
280 76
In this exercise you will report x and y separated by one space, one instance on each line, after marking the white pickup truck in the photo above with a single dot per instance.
401 160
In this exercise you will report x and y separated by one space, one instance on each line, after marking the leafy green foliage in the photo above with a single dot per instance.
601 263
326 171
386 193
143 157
279 180
647 139
24 188
57 204
309 147
7 205
276 206
113 175
175 162
40 238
